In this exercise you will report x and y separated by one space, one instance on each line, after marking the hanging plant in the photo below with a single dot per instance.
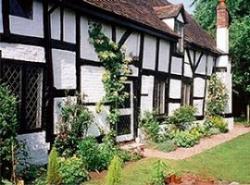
116 66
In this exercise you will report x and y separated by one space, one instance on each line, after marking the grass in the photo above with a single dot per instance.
228 162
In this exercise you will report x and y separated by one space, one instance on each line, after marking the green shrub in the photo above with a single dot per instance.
186 138
73 125
8 129
217 96
151 126
88 150
114 172
182 117
53 176
220 123
73 171
159 173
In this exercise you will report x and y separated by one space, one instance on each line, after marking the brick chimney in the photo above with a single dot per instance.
223 63
222 26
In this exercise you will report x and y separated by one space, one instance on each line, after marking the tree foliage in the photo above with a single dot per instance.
205 14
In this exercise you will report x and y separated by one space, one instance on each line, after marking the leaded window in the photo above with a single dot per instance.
26 83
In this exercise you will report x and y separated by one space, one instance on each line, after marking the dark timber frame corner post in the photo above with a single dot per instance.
50 78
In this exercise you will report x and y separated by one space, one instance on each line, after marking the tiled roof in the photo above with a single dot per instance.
168 11
143 11
136 10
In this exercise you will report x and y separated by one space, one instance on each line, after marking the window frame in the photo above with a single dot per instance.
187 95
159 83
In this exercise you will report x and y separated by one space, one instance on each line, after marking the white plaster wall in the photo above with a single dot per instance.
91 83
132 44
164 56
176 66
187 70
199 87
55 24
199 106
1 18
169 22
87 50
100 124
59 102
172 107
210 65
180 18
22 52
134 70
175 89
201 69
37 147
64 69
29 27
149 54
147 90
222 38
69 26
191 52
222 61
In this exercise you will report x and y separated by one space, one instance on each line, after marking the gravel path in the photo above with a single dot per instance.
205 144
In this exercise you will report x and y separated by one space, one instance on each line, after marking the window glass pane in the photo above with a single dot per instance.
21 8
159 96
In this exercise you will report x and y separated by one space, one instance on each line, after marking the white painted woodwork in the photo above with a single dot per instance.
64 69
172 107
149 54
130 112
91 83
22 52
164 56
29 27
147 90
175 89
199 87
69 26
176 65
55 24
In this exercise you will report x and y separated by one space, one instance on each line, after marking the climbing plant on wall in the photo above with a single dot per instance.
116 66
217 96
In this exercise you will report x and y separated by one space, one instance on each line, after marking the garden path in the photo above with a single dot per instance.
205 144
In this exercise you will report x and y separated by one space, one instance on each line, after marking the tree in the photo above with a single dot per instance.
205 14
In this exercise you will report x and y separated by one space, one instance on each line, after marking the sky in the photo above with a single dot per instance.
186 3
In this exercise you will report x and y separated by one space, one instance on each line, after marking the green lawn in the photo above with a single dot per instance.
229 161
